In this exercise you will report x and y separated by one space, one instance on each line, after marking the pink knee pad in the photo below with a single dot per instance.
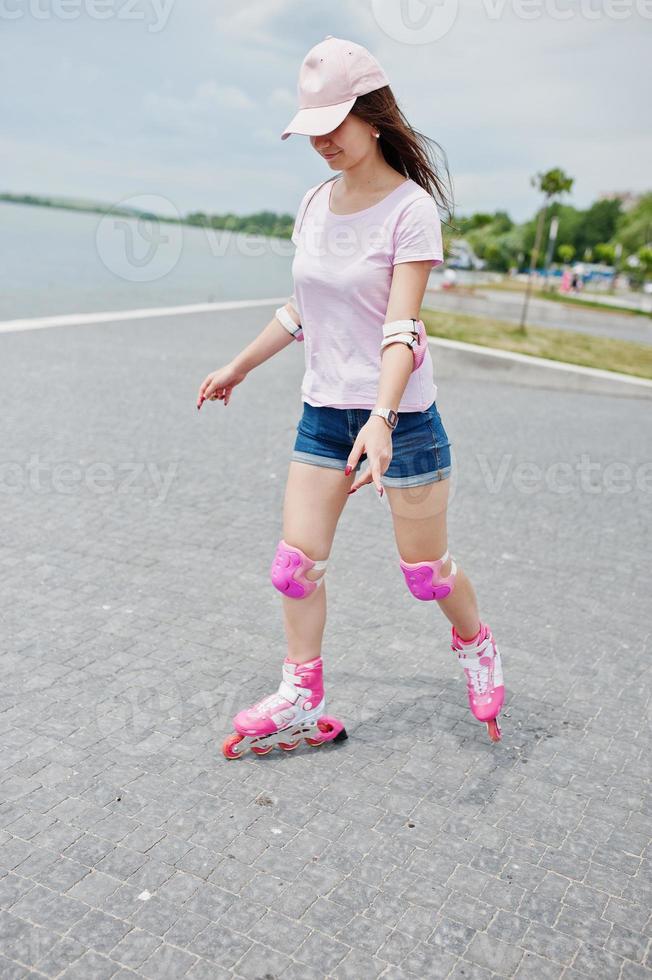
424 580
288 571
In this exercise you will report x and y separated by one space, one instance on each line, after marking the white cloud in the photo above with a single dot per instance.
283 98
504 97
252 20
210 94
175 113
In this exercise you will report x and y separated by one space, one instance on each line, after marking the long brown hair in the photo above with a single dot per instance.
405 149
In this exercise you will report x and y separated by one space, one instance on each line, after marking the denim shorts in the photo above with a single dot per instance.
420 445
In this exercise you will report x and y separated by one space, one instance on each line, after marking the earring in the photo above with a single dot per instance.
377 135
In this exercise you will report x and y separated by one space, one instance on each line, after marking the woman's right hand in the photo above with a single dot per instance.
219 384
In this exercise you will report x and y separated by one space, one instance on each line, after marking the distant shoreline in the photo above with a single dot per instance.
261 223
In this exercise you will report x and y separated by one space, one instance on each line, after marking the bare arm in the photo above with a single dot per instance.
219 384
269 341
409 281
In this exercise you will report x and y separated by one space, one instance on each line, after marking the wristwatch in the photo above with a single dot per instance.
390 416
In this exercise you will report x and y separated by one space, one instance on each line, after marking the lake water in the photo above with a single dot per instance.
54 261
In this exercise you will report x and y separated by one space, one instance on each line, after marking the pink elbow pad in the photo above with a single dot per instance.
286 320
403 331
421 346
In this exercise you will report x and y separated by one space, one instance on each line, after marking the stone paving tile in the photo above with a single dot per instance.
134 948
130 848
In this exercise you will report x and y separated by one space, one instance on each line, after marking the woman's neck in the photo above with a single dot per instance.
368 177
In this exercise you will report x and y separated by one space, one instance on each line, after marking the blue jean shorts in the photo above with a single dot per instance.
420 445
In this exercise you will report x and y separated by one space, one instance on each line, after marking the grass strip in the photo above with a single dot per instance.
604 353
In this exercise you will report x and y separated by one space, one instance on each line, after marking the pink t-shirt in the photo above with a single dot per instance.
342 273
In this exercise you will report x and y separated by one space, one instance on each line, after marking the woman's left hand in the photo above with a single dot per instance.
374 439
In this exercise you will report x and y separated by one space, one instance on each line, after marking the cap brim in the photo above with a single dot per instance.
318 120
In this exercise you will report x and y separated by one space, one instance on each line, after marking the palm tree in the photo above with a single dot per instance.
552 185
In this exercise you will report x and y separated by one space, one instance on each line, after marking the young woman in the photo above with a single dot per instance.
366 240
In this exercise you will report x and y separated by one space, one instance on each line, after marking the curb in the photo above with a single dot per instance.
455 358
80 319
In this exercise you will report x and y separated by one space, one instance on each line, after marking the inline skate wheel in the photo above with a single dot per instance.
228 746
323 726
493 729
260 751
288 746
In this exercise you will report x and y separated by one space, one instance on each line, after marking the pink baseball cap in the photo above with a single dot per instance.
332 75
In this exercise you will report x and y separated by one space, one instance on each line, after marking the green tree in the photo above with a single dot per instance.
644 256
474 221
494 238
566 253
605 252
635 226
552 184
598 224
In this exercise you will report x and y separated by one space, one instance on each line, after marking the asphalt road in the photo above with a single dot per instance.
137 616
503 305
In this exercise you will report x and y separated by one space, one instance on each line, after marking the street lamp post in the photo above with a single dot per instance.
552 238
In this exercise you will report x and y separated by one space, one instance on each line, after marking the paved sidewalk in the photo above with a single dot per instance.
138 616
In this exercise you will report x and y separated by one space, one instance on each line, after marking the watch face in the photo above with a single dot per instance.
392 418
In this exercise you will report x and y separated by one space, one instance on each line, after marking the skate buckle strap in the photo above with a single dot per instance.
475 666
472 663
289 691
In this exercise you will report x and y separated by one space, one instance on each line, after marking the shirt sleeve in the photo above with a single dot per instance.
300 211
417 234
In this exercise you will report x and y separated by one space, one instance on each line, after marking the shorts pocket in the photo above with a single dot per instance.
439 434
440 439
308 424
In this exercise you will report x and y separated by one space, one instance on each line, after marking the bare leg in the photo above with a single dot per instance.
419 516
314 499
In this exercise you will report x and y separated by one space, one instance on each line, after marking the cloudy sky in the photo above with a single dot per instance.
186 99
